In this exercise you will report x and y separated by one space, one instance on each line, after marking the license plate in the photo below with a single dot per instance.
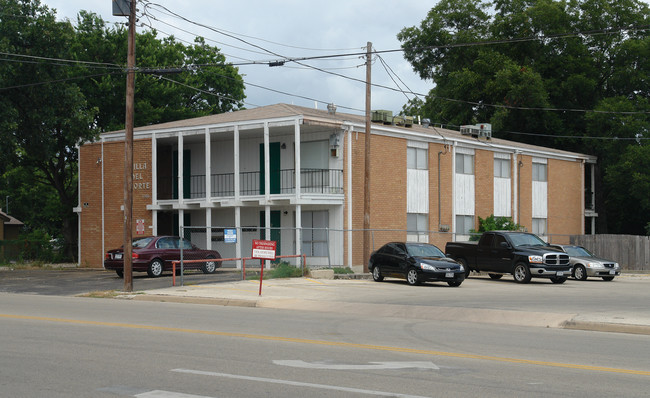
449 275
118 256
612 272
560 273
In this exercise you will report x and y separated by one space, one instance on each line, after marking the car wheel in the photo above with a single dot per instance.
558 279
155 268
580 273
522 273
120 273
209 267
463 262
454 283
376 274
495 276
412 277
608 278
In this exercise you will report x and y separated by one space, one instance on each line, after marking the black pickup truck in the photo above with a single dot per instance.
521 254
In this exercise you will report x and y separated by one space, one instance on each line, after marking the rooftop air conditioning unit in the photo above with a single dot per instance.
483 130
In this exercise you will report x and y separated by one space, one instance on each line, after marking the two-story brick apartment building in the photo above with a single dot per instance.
300 171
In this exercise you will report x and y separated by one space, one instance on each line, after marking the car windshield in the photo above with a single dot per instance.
522 239
577 251
142 242
422 250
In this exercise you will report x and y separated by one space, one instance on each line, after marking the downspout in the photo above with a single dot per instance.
349 194
443 152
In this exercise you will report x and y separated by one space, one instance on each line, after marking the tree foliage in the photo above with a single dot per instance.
49 104
542 67
493 223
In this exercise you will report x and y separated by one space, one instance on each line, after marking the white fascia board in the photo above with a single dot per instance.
200 129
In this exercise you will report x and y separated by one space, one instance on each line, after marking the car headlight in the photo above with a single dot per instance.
535 259
594 265
461 268
615 265
428 267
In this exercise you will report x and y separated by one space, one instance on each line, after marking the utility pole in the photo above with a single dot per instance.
366 190
128 154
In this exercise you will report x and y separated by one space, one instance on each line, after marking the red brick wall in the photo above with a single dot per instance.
565 203
90 179
483 185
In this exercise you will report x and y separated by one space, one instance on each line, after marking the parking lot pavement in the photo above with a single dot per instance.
618 306
71 281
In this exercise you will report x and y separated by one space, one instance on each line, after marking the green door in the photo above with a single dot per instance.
276 232
187 172
274 162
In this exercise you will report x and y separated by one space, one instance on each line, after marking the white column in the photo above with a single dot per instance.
154 183
299 230
349 195
267 164
240 233
208 228
181 194
267 221
515 187
296 135
208 166
453 190
154 169
236 165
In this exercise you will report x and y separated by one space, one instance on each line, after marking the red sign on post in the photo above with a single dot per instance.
264 249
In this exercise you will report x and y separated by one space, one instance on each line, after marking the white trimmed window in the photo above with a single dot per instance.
417 158
314 233
539 172
417 225
464 163
539 226
501 168
464 224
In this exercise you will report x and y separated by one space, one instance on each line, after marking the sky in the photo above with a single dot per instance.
292 28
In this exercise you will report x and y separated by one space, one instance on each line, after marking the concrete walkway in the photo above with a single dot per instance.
479 300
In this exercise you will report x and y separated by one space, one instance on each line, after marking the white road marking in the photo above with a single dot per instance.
298 384
167 394
368 366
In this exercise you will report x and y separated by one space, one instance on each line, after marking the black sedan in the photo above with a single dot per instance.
154 254
415 262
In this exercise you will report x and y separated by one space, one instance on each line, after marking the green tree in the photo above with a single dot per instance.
49 105
493 223
502 67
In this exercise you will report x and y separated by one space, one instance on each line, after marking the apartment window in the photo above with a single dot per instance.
417 158
464 224
417 223
539 226
314 233
464 163
502 168
539 172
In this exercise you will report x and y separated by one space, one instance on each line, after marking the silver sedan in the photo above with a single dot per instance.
585 264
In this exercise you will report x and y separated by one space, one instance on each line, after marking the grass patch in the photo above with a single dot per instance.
342 270
282 270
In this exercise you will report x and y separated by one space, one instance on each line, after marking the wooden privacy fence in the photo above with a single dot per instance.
630 251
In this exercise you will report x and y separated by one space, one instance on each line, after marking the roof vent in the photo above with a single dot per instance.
331 108
426 122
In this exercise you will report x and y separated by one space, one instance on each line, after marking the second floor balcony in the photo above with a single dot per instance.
312 181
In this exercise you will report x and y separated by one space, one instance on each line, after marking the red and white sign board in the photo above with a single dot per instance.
264 249
139 226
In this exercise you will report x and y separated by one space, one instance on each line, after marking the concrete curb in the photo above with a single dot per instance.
606 327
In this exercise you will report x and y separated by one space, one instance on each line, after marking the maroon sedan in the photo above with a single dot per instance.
154 254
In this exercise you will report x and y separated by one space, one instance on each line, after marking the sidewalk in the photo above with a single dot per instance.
361 296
